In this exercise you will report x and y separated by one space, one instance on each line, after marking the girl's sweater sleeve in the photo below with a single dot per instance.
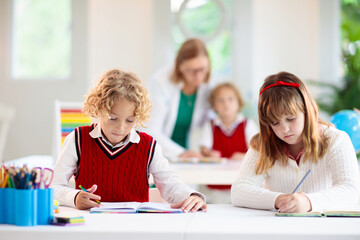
341 161
248 189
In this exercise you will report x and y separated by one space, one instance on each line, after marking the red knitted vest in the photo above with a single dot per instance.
228 145
121 174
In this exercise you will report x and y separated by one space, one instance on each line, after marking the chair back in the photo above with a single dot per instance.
68 116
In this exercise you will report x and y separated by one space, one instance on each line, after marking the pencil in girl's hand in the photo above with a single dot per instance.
82 188
302 180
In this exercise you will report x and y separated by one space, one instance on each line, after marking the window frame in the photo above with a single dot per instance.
76 49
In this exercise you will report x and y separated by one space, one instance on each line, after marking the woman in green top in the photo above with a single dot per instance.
180 101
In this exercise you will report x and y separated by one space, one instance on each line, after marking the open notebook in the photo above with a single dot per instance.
134 207
321 214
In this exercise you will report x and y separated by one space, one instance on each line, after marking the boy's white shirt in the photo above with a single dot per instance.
207 137
333 182
165 96
172 189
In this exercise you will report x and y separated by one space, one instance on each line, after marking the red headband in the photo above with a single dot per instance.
280 83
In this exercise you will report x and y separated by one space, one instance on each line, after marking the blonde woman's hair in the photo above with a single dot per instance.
274 103
190 49
231 86
112 86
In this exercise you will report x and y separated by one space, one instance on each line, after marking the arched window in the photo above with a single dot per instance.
208 20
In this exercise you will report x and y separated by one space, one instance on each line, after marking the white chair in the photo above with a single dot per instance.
7 113
68 116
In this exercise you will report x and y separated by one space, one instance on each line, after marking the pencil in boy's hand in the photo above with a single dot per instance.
82 188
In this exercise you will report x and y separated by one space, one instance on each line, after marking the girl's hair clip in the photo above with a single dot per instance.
280 83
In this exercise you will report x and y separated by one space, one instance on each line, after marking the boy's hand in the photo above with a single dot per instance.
192 203
293 203
83 199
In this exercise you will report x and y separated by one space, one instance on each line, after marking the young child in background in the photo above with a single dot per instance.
226 136
111 158
292 141
229 134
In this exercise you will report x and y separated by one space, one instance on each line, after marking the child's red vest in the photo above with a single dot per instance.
228 145
121 174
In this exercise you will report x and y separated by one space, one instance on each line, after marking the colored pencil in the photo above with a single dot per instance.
82 188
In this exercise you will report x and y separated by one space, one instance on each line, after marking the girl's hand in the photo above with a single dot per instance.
293 203
83 199
237 156
190 154
192 203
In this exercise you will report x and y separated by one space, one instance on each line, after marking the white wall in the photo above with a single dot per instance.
300 36
285 37
120 36
329 41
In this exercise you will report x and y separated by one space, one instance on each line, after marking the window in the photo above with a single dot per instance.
209 21
41 39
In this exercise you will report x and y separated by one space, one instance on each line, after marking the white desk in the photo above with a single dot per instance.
227 222
220 222
106 226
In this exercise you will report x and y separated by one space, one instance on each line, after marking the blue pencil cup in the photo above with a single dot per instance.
45 206
4 207
9 203
25 207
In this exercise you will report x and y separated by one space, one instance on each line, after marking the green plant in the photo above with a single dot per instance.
346 96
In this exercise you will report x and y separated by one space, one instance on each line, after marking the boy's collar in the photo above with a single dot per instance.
132 137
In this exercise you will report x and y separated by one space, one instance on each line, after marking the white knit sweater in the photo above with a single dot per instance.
332 183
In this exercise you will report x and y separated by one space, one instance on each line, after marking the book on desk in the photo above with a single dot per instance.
67 219
134 207
321 214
